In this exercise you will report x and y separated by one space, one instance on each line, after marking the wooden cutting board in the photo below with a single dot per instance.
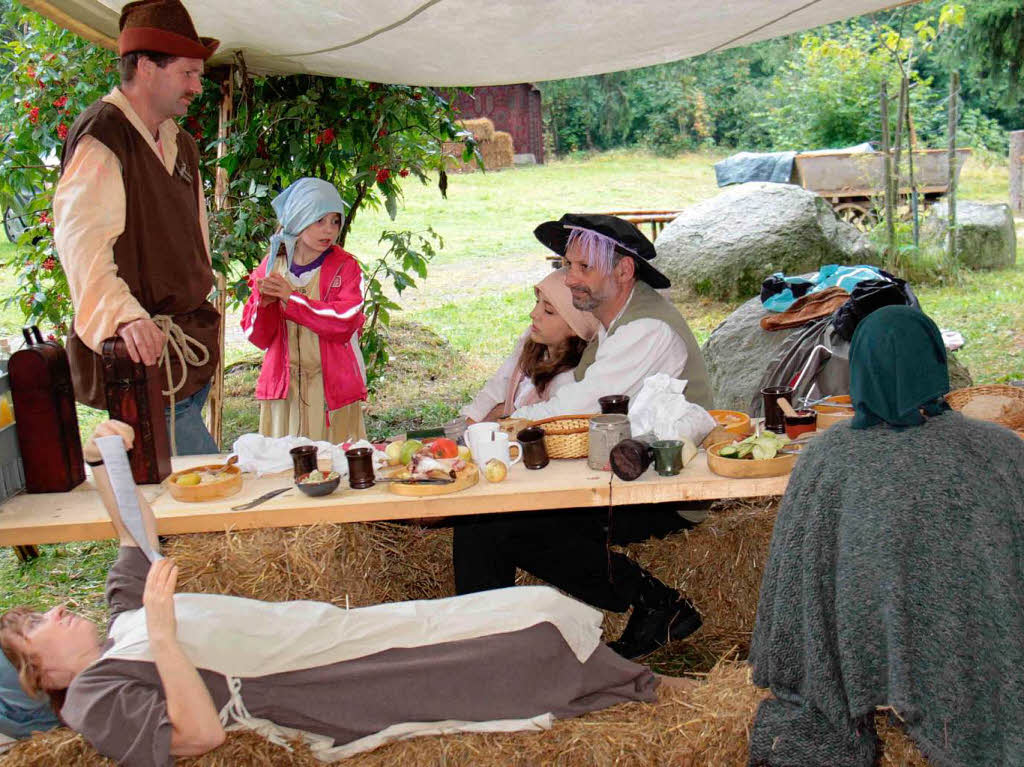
465 478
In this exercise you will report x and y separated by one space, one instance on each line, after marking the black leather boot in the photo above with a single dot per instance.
660 615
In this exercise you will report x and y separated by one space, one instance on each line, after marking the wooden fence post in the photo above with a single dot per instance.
215 412
890 206
1017 172
954 94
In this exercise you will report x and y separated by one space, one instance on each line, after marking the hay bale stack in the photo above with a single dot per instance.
708 725
496 147
718 564
499 152
482 128
369 563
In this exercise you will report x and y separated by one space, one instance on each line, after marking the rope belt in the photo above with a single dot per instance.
189 352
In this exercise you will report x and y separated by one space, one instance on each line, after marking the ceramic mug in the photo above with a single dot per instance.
476 433
496 445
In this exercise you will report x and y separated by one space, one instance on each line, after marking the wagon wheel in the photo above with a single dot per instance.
856 213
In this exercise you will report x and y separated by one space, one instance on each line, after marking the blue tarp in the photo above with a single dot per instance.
755 166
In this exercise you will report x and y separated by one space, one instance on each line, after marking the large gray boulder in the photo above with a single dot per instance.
985 239
725 247
738 352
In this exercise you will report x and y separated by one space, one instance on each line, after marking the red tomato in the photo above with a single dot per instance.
444 448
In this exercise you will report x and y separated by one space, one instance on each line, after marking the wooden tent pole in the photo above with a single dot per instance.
215 413
954 96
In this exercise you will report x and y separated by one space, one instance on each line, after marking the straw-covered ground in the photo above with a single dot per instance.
704 726
718 564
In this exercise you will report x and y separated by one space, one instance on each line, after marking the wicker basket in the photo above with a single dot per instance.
566 436
1014 419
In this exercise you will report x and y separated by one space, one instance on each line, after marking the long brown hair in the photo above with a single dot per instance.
541 365
13 626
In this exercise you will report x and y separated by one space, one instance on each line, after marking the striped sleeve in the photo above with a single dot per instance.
336 319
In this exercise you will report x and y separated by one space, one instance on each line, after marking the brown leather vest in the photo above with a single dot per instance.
160 255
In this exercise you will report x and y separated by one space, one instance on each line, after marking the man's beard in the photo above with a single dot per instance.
585 301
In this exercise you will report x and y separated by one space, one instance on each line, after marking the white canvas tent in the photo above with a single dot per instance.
470 42
459 42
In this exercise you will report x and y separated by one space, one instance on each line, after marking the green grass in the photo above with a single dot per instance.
491 215
988 309
11 319
68 573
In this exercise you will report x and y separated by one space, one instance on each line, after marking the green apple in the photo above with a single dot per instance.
394 451
409 449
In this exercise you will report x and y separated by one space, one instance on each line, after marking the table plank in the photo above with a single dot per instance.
79 515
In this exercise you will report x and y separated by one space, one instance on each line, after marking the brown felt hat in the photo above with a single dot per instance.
162 26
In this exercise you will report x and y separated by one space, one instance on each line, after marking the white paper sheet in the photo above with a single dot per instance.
115 460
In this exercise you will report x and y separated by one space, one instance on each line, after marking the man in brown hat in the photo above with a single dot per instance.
130 220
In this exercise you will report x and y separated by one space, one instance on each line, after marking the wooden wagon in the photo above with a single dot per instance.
853 182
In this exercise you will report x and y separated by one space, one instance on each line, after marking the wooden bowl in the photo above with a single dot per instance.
748 468
226 485
728 424
829 416
318 489
732 421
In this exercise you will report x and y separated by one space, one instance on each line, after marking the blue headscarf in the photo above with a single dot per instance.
304 202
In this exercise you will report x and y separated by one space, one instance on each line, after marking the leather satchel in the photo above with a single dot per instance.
135 396
44 407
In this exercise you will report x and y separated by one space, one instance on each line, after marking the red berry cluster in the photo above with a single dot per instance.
49 264
325 137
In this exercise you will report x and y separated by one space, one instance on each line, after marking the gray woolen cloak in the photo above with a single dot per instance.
895 578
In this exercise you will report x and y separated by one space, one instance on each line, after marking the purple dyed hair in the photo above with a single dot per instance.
598 248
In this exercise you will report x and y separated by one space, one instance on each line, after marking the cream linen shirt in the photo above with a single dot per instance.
635 351
89 210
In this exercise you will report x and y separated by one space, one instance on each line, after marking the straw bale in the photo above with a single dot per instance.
718 564
453 163
369 563
707 725
482 128
499 152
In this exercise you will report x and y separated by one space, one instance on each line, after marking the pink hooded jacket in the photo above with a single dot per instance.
337 318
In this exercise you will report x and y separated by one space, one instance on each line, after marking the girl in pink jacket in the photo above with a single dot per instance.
306 311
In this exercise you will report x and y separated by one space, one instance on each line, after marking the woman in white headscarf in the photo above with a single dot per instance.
544 357
306 311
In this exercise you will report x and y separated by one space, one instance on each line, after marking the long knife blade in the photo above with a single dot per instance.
256 502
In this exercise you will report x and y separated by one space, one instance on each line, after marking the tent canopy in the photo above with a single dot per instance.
470 42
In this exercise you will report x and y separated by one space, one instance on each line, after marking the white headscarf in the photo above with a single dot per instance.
304 202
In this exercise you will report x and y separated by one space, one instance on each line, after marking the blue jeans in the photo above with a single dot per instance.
190 433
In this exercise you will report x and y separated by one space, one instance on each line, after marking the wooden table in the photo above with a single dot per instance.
79 515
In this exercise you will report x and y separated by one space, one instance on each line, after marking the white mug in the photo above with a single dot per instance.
478 432
496 444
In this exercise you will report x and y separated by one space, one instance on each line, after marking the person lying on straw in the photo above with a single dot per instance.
177 671
894 577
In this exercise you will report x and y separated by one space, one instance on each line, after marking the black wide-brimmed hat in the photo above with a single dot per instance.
630 241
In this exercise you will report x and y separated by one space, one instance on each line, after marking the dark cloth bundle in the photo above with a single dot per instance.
868 296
